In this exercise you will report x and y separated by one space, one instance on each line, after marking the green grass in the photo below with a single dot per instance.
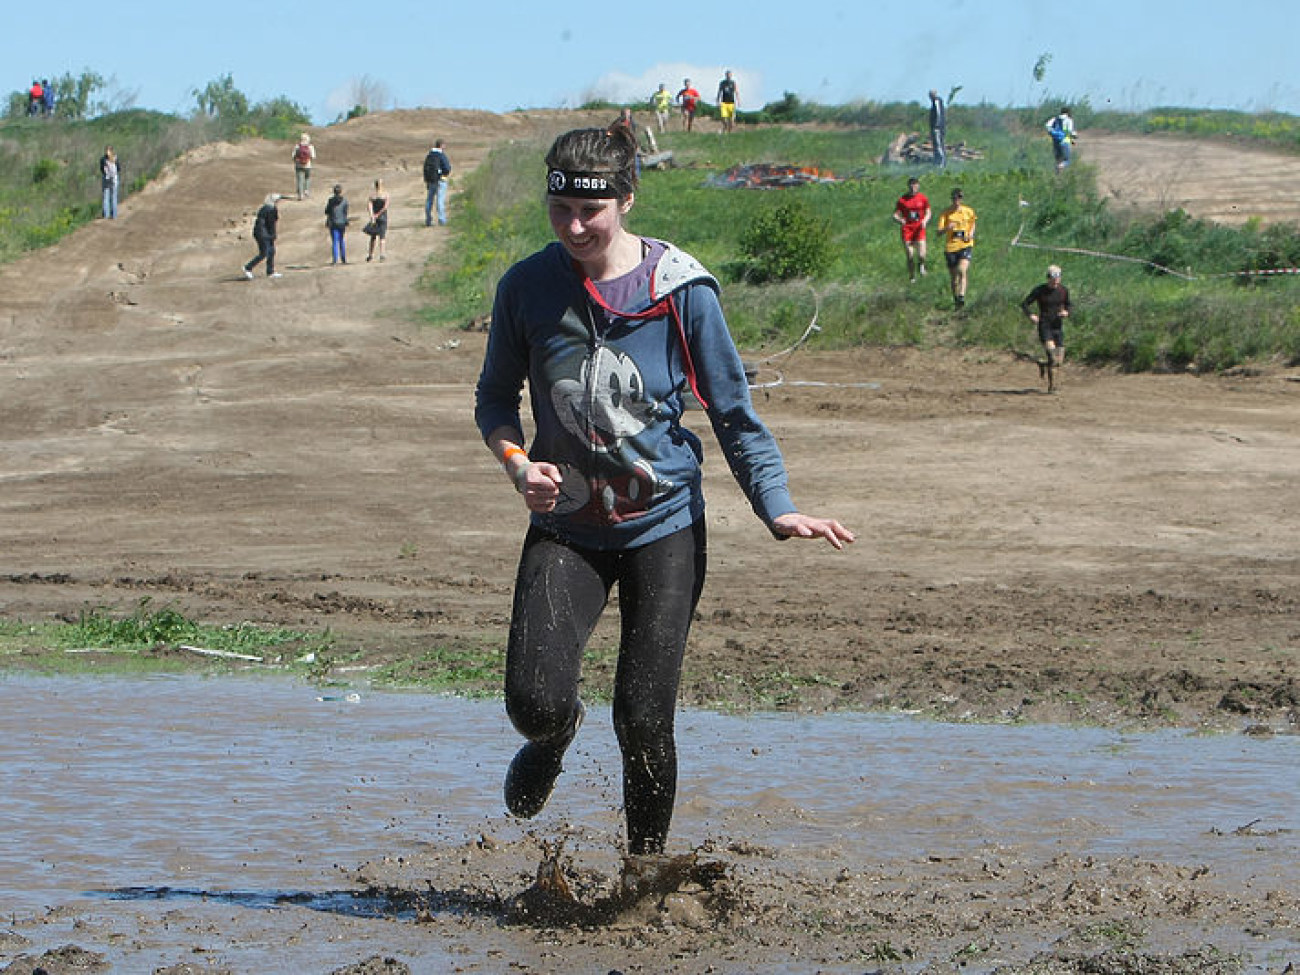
1127 313
148 639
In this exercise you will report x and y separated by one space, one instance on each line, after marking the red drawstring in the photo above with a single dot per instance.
663 305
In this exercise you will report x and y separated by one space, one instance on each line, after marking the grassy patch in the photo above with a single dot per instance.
148 640
1127 312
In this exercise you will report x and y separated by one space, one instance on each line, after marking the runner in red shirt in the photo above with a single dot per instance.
912 213
688 98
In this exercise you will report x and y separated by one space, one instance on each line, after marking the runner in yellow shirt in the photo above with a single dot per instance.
662 102
957 224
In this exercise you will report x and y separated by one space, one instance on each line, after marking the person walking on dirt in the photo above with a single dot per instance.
304 154
376 227
662 102
938 128
609 331
688 99
1052 300
912 213
264 232
336 219
727 102
110 181
1061 128
437 170
957 224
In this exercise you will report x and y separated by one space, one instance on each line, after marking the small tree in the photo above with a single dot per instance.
72 95
220 99
786 241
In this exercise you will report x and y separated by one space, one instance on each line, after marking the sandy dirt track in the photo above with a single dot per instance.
298 451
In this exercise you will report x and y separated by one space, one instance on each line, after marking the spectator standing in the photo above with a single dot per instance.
912 214
662 102
608 329
35 98
1061 128
264 232
377 226
957 223
110 179
437 170
688 99
1052 300
727 100
336 219
47 98
938 128
304 154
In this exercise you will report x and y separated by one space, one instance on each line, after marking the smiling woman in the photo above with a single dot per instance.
610 331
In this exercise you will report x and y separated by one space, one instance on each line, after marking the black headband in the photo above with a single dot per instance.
591 186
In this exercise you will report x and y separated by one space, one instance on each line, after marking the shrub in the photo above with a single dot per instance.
784 242
44 169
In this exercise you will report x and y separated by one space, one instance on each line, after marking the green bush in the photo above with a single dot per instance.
786 241
44 169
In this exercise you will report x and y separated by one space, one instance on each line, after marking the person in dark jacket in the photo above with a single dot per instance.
110 180
336 219
938 128
613 334
264 231
437 170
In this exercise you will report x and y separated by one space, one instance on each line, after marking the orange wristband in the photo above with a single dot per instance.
512 451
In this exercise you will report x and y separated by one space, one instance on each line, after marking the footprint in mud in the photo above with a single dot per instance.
694 892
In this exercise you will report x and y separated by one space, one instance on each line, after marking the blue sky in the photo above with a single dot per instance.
1126 54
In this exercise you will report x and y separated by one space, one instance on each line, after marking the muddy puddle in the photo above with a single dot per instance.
223 821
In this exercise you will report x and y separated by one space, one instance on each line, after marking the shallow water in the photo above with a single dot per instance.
239 795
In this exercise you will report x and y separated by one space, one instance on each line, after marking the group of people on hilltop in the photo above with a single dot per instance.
437 170
688 99
40 98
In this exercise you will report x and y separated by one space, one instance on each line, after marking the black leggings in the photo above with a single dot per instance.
560 593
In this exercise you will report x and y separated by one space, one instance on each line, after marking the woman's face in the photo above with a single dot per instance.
585 227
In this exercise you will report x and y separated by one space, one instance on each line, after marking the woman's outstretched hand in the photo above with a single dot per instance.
795 525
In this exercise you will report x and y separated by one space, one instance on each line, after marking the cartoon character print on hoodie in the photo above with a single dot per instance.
608 389
605 407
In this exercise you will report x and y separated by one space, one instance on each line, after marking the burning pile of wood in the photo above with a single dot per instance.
909 148
762 176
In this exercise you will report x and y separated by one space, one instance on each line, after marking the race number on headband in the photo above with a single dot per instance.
592 186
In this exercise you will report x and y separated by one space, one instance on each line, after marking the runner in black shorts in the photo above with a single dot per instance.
1053 302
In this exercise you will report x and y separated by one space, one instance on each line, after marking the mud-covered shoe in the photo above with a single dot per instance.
535 768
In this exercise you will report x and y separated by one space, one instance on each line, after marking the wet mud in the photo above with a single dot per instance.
261 825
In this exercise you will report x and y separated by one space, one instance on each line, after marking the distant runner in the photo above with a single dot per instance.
912 213
957 223
688 98
1053 301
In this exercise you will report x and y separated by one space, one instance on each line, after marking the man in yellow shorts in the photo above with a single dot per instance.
727 102
957 224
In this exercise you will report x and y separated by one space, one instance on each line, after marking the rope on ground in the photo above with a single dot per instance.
1186 276
1017 242
780 379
